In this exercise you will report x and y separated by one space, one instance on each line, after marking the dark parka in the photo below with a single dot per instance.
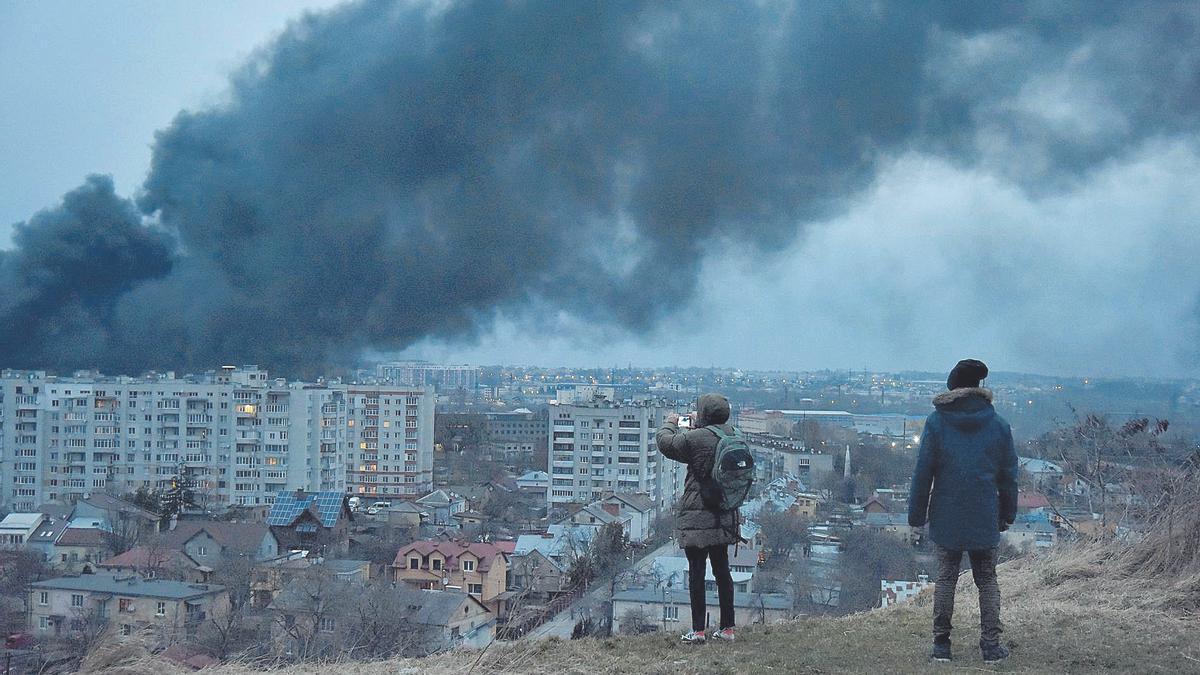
696 526
965 483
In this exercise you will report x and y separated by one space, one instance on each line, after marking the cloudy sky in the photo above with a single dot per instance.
776 187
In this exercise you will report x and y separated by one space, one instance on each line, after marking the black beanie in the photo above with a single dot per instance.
967 373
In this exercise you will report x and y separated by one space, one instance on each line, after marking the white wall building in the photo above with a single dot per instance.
389 449
424 374
601 447
237 435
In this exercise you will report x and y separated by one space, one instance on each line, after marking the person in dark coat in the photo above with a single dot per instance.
965 487
703 535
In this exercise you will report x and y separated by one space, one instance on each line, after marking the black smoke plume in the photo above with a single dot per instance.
387 171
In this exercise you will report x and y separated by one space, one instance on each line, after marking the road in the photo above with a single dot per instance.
564 622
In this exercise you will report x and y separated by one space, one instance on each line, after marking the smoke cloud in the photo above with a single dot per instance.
388 172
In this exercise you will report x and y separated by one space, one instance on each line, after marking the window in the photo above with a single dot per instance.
76 600
468 565
201 550
437 564
43 622
125 604
126 629
44 598
475 589
414 563
670 612
160 609
327 624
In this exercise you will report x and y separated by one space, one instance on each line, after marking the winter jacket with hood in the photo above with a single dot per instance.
696 526
965 483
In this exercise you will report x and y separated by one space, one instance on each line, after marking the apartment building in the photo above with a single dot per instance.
389 448
600 447
516 433
233 436
444 378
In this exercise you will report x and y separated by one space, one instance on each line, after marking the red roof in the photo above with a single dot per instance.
142 557
1032 500
507 546
81 536
451 551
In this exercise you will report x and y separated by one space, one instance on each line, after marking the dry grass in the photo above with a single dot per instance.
1074 611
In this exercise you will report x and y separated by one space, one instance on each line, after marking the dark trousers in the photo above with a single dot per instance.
719 555
983 569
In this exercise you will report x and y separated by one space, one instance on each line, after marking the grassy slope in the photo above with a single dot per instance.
1062 614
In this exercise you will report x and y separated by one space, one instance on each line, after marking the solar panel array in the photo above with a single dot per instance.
287 508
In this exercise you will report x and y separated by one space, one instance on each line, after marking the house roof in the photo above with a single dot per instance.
145 557
49 531
640 503
1032 500
886 519
1034 465
107 502
81 536
129 585
289 506
557 540
437 498
534 476
435 608
452 551
596 511
21 521
236 537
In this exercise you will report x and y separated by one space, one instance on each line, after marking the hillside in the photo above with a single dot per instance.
1078 611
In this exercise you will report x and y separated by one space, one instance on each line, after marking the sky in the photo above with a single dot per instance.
777 188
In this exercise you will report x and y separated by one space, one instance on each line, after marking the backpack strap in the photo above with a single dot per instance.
716 429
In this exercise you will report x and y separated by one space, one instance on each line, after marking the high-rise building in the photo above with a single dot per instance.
445 378
600 448
389 451
232 437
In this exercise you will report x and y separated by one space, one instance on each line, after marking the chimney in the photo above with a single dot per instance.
612 509
298 494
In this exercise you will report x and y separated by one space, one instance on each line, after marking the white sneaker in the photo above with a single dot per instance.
695 637
724 635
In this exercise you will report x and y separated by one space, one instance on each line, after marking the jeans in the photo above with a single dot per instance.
719 556
983 569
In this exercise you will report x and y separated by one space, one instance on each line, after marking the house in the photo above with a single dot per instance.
77 546
639 509
46 536
406 514
311 623
560 543
152 562
469 518
442 505
894 524
17 528
535 483
805 505
1042 473
1028 534
877 505
537 574
168 609
316 521
271 577
596 515
671 571
670 609
212 542
117 515
480 569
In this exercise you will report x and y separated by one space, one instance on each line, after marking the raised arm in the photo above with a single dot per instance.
672 442
923 475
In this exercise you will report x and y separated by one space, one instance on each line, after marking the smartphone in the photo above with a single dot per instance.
685 421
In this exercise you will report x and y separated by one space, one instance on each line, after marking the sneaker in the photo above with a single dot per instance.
695 637
993 653
724 635
941 651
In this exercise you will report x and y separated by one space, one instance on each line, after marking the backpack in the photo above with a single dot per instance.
732 472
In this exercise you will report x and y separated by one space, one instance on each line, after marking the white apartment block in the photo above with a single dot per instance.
600 448
237 435
389 449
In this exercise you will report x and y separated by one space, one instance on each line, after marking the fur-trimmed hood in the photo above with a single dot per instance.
947 397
